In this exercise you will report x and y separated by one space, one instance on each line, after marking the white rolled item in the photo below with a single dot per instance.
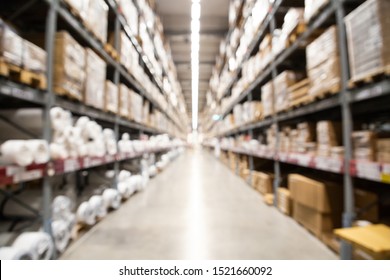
12 253
112 199
125 136
109 174
138 182
16 152
124 175
86 214
152 170
61 207
38 244
61 235
82 122
124 190
82 150
58 151
57 116
97 203
40 150
125 146
108 133
70 221
111 147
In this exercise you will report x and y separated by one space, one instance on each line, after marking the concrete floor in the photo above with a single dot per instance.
197 209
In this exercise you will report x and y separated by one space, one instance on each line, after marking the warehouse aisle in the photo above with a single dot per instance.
197 209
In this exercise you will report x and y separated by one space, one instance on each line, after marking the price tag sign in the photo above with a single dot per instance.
71 165
304 160
28 175
11 170
368 170
336 165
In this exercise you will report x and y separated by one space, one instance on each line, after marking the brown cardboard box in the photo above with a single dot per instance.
97 19
267 97
34 58
124 101
328 135
364 143
366 205
383 145
95 80
135 105
316 222
69 66
264 182
284 201
111 97
368 43
383 157
324 197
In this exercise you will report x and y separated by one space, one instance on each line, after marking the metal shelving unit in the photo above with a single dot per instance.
21 96
343 103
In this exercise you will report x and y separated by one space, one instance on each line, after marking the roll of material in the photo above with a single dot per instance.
38 244
97 203
125 146
12 253
125 136
58 151
40 150
125 189
111 147
60 118
61 235
82 122
16 152
124 175
152 170
61 207
108 133
70 220
86 214
138 182
96 148
112 199
110 174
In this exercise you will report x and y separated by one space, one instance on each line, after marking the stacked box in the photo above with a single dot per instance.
305 135
135 105
79 7
317 205
292 19
383 150
364 143
263 182
279 41
271 137
111 97
337 152
281 84
69 66
267 98
368 37
312 8
265 51
34 58
328 136
97 18
323 66
95 80
125 47
284 201
124 109
11 45
238 112
130 13
146 112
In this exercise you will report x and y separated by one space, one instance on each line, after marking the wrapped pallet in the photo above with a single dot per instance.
11 45
79 7
146 112
368 37
124 96
364 143
34 58
281 84
267 98
97 19
95 80
69 66
312 7
111 97
328 136
317 205
323 64
130 13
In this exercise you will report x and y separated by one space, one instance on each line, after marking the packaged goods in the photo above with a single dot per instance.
11 45
368 38
135 105
69 66
281 83
267 98
130 13
312 7
364 143
124 101
97 18
263 182
284 201
95 80
34 58
111 97
328 135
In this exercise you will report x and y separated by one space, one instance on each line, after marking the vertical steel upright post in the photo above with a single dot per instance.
277 180
117 27
348 214
51 27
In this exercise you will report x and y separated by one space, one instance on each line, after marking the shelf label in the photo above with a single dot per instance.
304 160
368 170
28 175
11 170
336 165
71 165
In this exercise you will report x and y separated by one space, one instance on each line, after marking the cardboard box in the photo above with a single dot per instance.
383 145
281 84
366 205
383 157
316 222
267 98
69 66
95 80
135 105
34 58
97 19
328 135
367 43
269 199
111 97
130 13
264 182
324 197
284 201
124 101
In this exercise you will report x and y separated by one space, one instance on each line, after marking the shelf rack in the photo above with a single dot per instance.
343 102
20 96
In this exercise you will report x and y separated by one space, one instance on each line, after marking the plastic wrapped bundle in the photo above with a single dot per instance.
11 45
37 244
16 152
61 207
97 18
112 199
11 253
86 214
97 203
34 58
111 97
95 80
61 235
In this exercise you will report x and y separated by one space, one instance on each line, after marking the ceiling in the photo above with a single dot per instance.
176 18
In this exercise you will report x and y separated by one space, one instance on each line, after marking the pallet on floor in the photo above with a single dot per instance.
372 76
21 75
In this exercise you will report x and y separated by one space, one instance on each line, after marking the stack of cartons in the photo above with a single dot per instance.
364 143
135 105
69 66
111 97
97 19
368 37
323 64
284 201
124 100
328 136
312 7
317 205
267 98
263 182
95 80
282 82
383 150
305 136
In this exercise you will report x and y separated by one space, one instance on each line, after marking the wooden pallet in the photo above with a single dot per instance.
21 75
111 51
298 94
66 93
372 76
323 93
296 32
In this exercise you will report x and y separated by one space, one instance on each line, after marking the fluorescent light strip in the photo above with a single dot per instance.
195 28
